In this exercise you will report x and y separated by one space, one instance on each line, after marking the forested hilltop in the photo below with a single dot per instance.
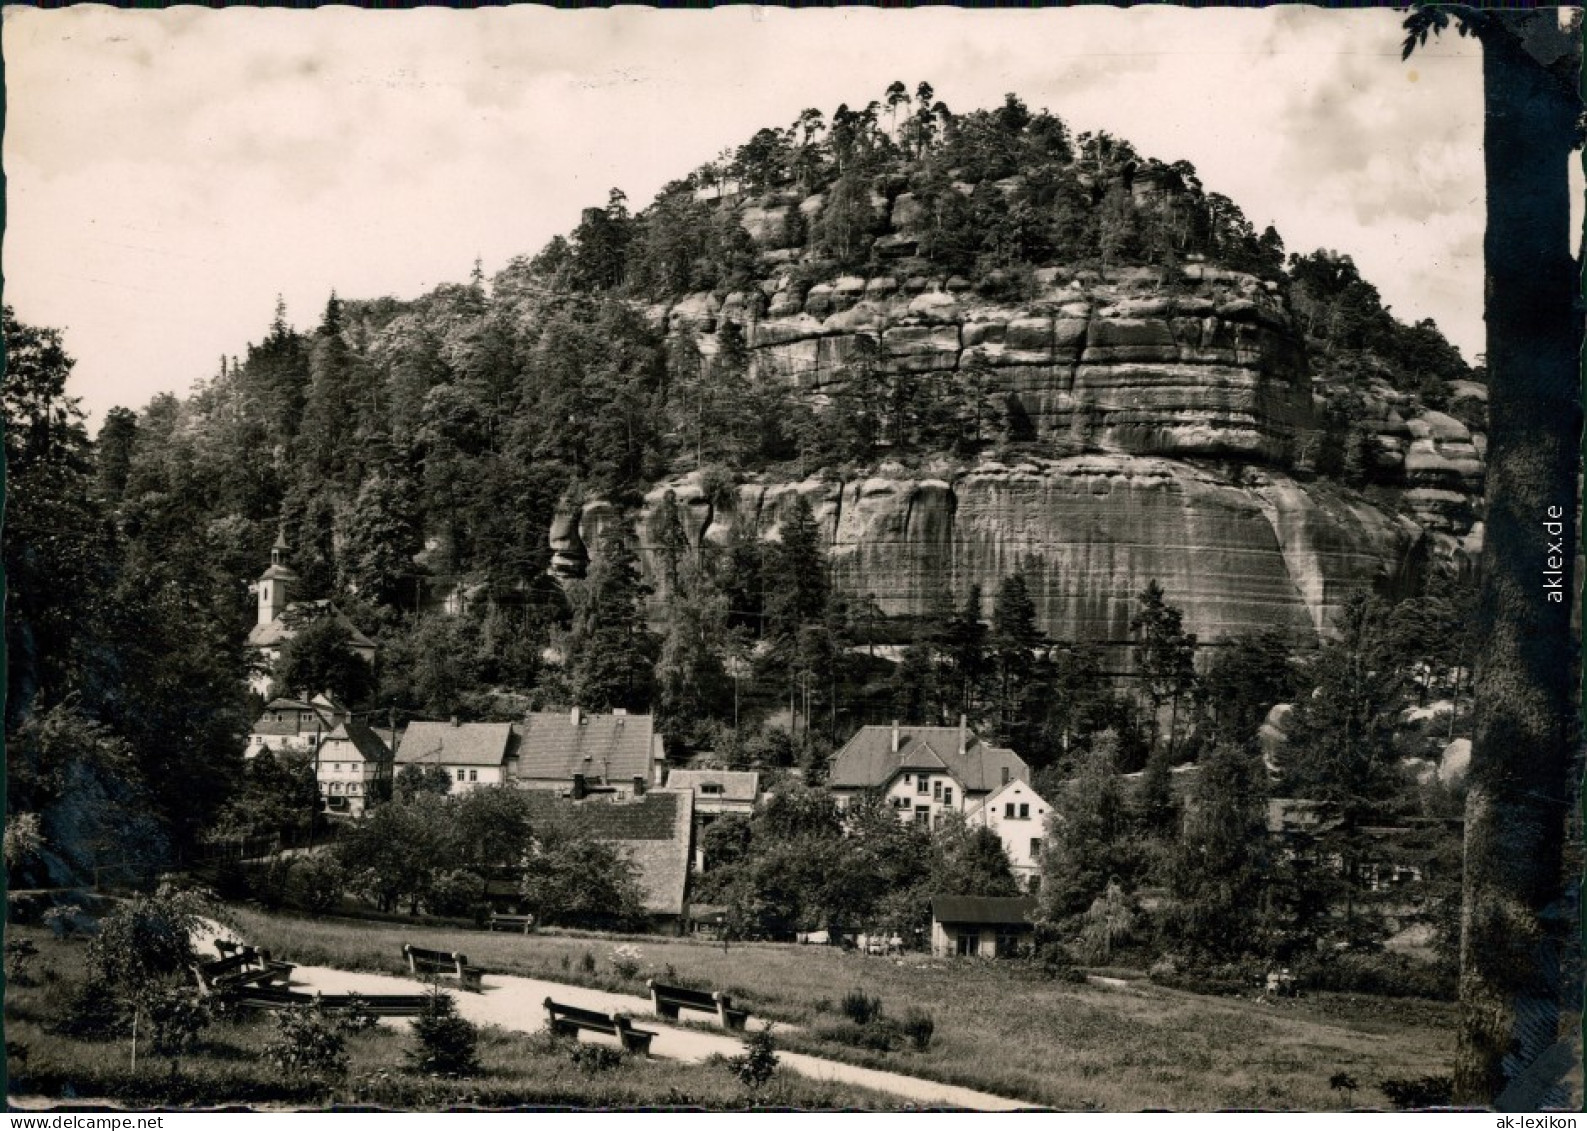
958 385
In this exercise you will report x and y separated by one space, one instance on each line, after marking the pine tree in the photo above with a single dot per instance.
611 651
1014 641
1164 657
1217 873
1086 837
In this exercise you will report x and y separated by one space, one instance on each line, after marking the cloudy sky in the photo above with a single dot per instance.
169 172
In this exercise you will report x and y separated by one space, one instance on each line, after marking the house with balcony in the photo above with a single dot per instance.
923 771
354 769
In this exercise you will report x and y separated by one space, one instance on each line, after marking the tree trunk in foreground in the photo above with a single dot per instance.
1520 931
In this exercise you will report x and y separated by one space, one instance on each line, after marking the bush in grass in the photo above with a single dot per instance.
458 892
445 1044
1056 961
317 883
91 1014
356 1016
20 954
626 960
307 1043
758 1063
880 1035
64 921
919 1027
176 1018
860 1007
1381 975
1424 1091
587 962
595 1058
144 940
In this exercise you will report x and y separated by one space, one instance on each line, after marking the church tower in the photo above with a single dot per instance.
273 583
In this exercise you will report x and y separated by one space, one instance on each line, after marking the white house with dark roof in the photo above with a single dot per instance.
558 749
1018 815
923 772
354 769
279 618
472 754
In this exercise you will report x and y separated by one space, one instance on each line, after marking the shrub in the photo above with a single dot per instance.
587 962
64 920
860 1007
626 960
144 940
20 954
92 1014
880 1035
356 1016
1425 1091
758 1063
1381 975
919 1026
458 892
318 883
307 1043
176 1018
445 1044
595 1058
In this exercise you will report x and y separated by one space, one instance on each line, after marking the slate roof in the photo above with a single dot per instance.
443 744
364 741
654 830
737 785
614 747
867 760
982 909
266 725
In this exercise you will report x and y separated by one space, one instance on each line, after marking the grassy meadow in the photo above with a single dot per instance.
1000 1027
227 1066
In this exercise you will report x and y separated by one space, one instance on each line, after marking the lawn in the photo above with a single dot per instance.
227 1066
1000 1027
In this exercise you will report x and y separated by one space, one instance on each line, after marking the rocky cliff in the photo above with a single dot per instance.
1157 420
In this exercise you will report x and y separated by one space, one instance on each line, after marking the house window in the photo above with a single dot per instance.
1008 812
968 944
922 785
936 791
336 787
473 775
711 788
1005 775
922 816
1008 942
352 787
1024 811
908 778
460 775
1035 847
947 796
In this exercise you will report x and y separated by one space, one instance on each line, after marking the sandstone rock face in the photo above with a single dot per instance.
1088 532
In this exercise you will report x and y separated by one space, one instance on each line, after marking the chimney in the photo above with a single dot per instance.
579 788
639 785
964 735
575 716
895 736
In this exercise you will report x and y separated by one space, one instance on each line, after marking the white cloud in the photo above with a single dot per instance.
171 171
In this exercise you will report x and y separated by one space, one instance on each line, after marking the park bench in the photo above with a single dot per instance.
669 999
422 962
381 1005
567 1020
248 967
519 923
227 948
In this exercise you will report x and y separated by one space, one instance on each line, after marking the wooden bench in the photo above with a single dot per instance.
668 1000
567 1020
422 962
248 967
519 923
381 1005
227 948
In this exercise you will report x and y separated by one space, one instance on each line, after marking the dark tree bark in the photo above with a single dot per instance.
1520 944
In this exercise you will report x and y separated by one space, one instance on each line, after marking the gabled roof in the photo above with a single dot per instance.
614 747
982 909
364 742
281 629
994 797
654 831
868 761
462 744
737 785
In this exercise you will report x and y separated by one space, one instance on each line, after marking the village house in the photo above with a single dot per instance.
923 772
717 793
354 769
294 725
279 618
563 750
1018 815
974 926
472 754
652 828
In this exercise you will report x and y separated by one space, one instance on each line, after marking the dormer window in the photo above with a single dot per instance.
711 788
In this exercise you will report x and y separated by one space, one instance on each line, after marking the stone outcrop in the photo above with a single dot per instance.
1088 532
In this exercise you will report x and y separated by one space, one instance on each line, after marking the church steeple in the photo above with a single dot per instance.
273 582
